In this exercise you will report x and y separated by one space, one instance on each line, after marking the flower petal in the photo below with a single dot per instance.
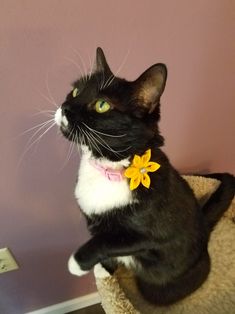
145 180
135 182
131 172
152 166
137 161
146 157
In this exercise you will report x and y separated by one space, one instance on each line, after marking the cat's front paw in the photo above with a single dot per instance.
100 271
74 267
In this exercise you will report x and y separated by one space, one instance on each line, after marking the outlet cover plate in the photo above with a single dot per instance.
7 261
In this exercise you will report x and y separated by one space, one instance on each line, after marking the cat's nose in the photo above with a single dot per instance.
60 119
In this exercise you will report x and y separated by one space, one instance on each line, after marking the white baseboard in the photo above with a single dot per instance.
69 306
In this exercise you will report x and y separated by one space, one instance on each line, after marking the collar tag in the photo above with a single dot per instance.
111 174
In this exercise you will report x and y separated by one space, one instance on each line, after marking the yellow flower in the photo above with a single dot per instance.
138 170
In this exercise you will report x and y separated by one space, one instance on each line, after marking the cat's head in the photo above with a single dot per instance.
113 117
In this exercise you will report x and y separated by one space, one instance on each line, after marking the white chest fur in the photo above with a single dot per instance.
95 193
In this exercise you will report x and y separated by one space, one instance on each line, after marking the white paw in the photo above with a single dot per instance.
100 271
74 267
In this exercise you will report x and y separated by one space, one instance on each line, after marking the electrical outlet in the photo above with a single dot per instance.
7 261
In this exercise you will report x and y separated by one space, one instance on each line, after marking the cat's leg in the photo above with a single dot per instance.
110 264
100 249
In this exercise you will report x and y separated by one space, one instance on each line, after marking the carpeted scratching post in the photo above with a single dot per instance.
119 294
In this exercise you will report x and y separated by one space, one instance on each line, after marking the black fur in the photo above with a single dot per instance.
166 231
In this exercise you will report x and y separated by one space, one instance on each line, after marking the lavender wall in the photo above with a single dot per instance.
39 219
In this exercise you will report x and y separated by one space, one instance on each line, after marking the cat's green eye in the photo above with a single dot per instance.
75 92
102 106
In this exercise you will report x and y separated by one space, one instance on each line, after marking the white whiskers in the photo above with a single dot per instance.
84 76
112 77
41 130
92 65
92 142
47 99
96 141
49 91
48 113
105 134
74 140
85 71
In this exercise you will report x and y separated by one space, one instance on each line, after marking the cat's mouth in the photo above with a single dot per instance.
61 121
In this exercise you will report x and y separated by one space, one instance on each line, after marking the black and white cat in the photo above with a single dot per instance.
147 218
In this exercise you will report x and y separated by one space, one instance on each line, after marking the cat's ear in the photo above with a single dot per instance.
101 63
150 86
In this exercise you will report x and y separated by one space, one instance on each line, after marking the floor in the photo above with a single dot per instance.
94 309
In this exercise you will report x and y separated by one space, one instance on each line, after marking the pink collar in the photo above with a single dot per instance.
109 173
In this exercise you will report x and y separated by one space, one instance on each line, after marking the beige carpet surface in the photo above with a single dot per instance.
119 293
